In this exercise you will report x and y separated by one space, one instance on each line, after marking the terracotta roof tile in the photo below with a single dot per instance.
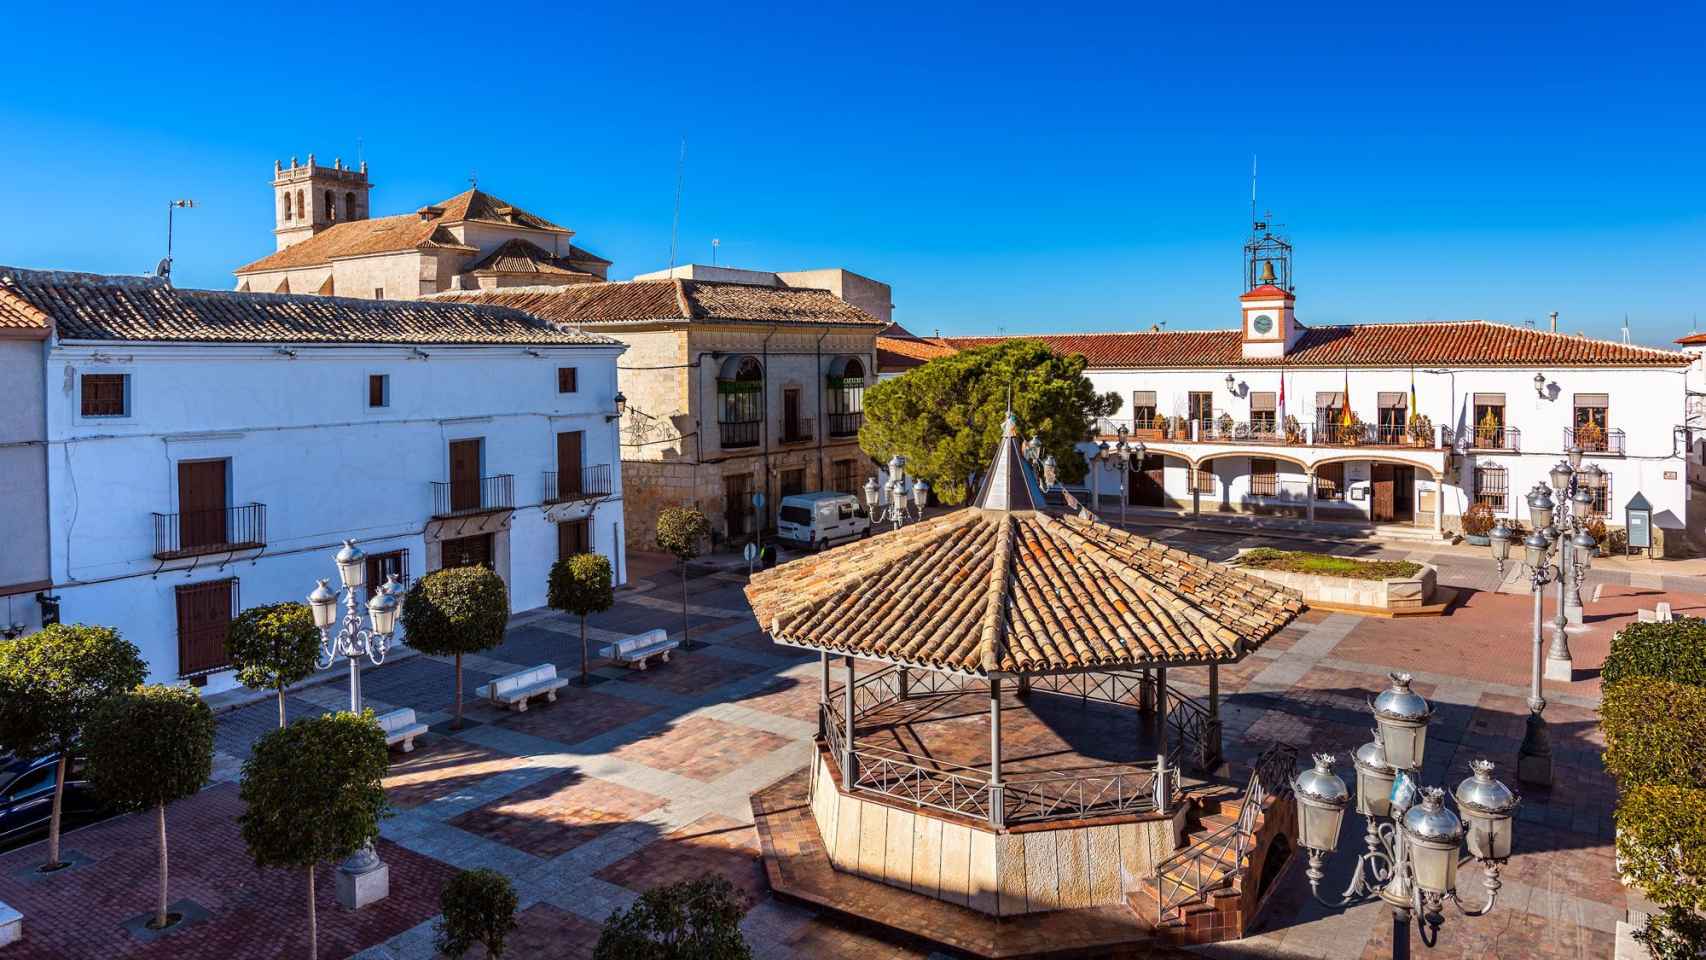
19 317
1469 343
900 353
678 300
1692 340
521 256
93 307
578 255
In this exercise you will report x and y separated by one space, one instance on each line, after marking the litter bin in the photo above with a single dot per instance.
767 556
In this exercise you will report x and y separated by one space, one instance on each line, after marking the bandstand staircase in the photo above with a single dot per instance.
1205 890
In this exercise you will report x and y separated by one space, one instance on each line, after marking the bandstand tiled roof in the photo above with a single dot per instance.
1006 586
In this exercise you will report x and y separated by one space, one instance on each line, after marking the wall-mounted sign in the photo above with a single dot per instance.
1670 474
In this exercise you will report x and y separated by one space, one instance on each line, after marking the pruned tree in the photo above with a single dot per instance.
680 531
146 749
946 416
581 585
51 683
274 646
691 920
313 792
455 611
479 908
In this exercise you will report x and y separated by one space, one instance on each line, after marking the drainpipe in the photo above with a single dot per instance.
764 400
817 391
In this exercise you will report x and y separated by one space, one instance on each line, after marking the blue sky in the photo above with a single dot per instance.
1006 169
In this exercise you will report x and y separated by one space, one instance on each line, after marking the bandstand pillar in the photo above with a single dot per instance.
1211 749
823 691
997 800
1024 688
905 682
848 772
1163 778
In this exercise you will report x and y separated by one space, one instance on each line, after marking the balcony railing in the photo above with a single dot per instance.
488 495
1595 440
1266 431
739 433
1508 439
196 532
802 430
584 484
846 424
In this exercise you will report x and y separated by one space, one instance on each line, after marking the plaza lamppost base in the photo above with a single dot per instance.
363 879
1563 671
1534 757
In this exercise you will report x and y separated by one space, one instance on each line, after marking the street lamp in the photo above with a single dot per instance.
1120 456
1413 841
897 512
363 878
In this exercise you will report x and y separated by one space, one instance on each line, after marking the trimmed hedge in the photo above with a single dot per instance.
479 908
1654 732
1674 651
1661 841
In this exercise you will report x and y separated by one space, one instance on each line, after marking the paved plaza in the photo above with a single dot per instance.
644 777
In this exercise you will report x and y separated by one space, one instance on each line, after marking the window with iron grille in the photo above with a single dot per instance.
383 565
1203 480
1264 477
841 476
1492 483
205 611
1330 481
106 395
1601 491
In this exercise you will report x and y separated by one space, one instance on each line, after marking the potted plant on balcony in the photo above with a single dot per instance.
1477 520
1590 436
1225 422
1293 430
1350 429
1421 429
1159 425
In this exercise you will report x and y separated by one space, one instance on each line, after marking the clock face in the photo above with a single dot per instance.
1262 324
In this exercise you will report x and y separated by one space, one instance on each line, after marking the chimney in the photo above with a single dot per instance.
1554 316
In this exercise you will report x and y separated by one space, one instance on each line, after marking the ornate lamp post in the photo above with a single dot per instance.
1120 456
1042 463
363 878
897 512
1413 841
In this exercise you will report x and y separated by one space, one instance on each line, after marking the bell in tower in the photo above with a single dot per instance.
1270 321
1268 272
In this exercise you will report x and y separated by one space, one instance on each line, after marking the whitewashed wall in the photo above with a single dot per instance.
301 439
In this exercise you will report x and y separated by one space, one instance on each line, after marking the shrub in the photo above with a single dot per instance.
148 748
274 646
455 611
581 585
1654 732
1661 841
692 920
1674 651
1324 564
1674 934
1478 519
479 908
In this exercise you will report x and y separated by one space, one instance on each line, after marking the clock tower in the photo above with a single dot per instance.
1268 304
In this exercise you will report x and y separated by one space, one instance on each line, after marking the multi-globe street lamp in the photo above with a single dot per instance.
363 878
1044 464
1412 840
897 512
1562 537
1120 456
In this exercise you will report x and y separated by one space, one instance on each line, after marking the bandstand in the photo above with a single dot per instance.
1019 711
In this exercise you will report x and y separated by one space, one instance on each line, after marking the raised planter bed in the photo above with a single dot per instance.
1414 593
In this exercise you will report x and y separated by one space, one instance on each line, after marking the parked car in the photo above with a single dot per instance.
818 520
26 798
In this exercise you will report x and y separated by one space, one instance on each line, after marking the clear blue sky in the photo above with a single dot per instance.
1011 170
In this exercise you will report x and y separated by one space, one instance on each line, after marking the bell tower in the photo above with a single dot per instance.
308 199
1268 304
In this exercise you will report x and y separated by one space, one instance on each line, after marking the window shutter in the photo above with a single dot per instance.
1143 398
1600 400
1334 398
1489 399
566 380
1263 402
1391 399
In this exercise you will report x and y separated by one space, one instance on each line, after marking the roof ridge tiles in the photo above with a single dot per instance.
992 631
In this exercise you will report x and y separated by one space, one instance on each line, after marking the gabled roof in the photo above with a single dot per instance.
1466 343
21 319
521 256
904 353
1001 587
87 306
423 229
579 255
1692 340
671 301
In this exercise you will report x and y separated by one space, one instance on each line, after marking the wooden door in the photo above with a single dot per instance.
204 616
467 552
201 504
1148 482
1382 506
572 538
569 446
791 414
1404 494
737 503
465 474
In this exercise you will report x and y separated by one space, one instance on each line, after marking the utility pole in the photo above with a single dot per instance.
164 270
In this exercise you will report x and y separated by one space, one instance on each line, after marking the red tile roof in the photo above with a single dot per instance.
667 301
1267 291
521 256
21 319
1469 343
904 353
1692 340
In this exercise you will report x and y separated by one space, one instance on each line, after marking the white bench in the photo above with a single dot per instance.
400 726
513 690
632 652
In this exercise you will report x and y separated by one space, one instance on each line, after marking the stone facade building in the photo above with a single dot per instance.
732 389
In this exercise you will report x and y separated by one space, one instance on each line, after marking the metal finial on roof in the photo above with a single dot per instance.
1010 425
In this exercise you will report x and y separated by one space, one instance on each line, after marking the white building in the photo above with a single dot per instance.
207 451
1252 418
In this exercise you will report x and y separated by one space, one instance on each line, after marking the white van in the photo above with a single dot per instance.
817 520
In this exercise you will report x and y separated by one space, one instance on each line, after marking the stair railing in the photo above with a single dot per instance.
1212 861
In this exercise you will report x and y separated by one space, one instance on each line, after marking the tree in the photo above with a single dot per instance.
274 645
691 920
147 748
479 908
455 611
51 683
312 792
946 416
581 585
680 530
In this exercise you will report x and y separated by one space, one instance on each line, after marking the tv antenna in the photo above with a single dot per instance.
675 224
164 269
715 243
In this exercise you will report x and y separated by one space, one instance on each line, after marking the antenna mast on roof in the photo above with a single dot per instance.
1252 194
675 224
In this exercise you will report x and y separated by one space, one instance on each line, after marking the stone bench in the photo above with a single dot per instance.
634 651
400 726
11 925
513 690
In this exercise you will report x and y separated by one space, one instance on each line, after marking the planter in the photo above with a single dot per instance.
1392 593
1478 539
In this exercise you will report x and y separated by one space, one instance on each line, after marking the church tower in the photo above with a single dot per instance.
1268 303
308 199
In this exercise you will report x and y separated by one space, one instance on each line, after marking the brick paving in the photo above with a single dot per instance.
646 777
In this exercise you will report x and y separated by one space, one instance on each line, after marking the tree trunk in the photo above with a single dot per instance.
313 926
160 907
583 651
58 804
281 707
456 724
684 622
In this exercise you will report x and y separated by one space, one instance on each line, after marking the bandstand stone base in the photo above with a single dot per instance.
1027 869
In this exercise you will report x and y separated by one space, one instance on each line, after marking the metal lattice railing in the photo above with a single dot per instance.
1214 860
1073 796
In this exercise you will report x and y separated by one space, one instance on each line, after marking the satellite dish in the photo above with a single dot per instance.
164 268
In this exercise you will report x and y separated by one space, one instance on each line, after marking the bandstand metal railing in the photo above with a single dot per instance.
1212 861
